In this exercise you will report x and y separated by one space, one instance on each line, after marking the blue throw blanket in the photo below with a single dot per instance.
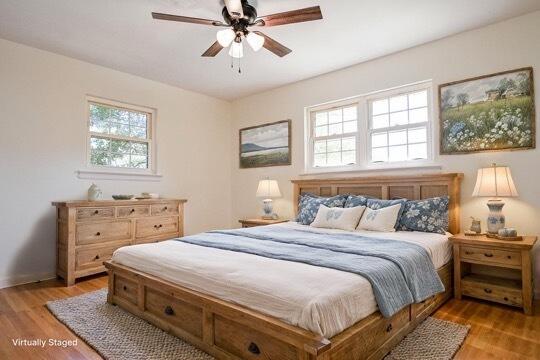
400 273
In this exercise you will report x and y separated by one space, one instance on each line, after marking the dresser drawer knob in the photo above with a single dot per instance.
97 257
487 291
509 256
96 212
488 255
505 298
98 233
125 288
389 328
165 208
468 253
132 211
254 349
169 311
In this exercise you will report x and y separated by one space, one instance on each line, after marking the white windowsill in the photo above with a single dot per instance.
395 168
92 174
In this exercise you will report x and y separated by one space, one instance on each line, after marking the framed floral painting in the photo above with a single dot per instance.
488 113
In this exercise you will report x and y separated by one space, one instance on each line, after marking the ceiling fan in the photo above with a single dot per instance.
238 16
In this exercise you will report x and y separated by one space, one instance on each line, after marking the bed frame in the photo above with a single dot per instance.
229 331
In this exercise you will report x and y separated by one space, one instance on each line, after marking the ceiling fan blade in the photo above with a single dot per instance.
213 50
291 17
186 19
273 46
234 7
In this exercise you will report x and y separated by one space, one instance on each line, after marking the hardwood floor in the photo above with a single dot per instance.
497 331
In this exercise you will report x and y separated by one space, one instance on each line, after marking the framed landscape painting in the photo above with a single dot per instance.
266 145
488 113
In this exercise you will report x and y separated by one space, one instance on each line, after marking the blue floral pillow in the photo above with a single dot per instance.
308 206
428 215
376 204
356 200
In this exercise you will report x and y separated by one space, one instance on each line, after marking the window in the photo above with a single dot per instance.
385 129
119 136
335 136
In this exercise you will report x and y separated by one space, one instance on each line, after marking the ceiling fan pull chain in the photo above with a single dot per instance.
239 66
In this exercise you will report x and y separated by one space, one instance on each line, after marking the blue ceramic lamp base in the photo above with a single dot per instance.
496 219
268 211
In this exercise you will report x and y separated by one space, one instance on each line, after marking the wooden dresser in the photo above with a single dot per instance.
88 232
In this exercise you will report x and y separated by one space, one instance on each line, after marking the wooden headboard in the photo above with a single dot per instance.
413 187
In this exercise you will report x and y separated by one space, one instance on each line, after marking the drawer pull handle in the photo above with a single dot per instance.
488 255
389 328
509 256
169 311
505 298
468 253
132 211
165 208
158 226
96 212
254 349
487 291
97 257
125 288
98 233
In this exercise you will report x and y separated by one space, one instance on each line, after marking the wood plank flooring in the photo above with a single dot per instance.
497 331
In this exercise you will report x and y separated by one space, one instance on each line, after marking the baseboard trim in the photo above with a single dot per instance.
25 279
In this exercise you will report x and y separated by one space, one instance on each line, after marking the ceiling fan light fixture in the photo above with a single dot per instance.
237 50
225 37
256 41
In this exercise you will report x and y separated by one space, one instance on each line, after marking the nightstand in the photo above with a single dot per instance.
246 223
494 270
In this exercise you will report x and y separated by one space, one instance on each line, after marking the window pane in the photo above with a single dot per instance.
139 149
99 112
397 153
334 145
321 131
348 157
120 147
417 135
379 154
335 129
122 116
321 118
99 158
319 160
418 99
398 103
348 144
320 146
99 144
119 129
398 138
138 119
139 162
418 151
350 113
334 159
350 126
138 132
335 116
380 121
399 118
99 126
418 115
379 107
119 160
378 140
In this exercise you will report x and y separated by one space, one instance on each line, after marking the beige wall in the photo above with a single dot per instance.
503 46
42 144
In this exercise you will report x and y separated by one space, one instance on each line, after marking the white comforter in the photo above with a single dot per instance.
325 301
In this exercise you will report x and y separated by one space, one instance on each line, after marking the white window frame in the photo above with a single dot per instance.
363 136
111 172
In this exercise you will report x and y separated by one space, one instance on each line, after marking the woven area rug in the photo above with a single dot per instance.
117 335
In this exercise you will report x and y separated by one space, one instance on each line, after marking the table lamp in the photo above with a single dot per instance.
495 182
267 190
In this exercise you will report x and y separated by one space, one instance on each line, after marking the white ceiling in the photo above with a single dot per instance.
121 34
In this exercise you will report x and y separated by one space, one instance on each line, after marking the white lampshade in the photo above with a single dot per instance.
268 189
225 37
495 181
237 50
255 41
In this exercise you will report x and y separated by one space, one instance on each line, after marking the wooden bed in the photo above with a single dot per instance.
229 331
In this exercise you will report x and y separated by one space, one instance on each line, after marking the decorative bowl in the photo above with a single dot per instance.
123 197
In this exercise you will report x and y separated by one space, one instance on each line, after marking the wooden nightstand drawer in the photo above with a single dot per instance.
491 256
502 291
95 213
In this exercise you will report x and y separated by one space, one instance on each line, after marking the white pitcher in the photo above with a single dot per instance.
94 193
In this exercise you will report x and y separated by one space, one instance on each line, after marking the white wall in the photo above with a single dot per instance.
503 46
43 143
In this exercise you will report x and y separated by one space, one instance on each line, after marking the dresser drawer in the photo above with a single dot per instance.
163 209
491 256
126 289
500 290
100 232
183 315
156 227
93 258
247 343
97 213
132 211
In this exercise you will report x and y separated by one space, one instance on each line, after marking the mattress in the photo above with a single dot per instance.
322 300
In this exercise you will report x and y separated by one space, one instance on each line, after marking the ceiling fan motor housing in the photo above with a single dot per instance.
241 24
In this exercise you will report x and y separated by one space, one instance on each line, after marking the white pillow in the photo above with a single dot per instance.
383 219
338 218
